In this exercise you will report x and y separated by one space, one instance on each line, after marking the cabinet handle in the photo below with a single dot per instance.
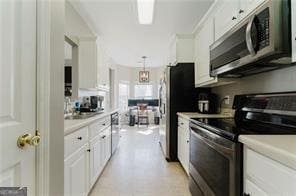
233 18
104 124
79 138
241 11
246 194
182 123
187 141
103 137
88 150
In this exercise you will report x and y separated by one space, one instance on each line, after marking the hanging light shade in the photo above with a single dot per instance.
144 75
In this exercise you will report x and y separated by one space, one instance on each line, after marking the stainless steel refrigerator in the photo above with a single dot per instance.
177 93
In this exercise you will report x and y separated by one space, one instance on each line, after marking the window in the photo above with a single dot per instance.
143 91
123 95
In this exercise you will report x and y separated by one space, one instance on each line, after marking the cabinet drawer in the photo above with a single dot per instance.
183 123
100 125
268 176
75 140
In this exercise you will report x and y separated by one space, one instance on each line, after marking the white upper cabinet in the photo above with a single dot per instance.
103 64
247 6
226 17
87 50
230 12
181 50
293 4
203 39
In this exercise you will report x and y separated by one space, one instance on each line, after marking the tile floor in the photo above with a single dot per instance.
138 168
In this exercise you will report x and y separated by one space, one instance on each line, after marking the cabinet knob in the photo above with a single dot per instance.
103 137
104 124
233 18
88 150
182 123
241 11
79 138
187 141
246 194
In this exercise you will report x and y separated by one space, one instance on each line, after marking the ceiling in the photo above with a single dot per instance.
126 41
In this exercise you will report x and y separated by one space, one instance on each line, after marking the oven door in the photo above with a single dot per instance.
215 164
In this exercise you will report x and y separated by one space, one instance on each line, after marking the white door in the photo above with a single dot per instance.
17 92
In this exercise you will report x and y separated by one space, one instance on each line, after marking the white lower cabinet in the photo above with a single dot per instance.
183 143
264 176
76 173
95 160
85 160
105 137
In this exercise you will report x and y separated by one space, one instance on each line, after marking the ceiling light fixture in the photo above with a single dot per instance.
145 11
144 75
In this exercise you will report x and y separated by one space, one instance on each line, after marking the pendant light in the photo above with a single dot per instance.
144 75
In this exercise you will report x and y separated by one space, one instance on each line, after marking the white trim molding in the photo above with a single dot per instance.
43 63
50 59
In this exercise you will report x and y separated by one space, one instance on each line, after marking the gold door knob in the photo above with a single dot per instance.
32 140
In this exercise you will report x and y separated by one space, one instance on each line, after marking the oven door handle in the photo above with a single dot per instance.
221 149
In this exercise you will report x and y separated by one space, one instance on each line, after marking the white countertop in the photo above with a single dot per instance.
281 148
189 115
72 125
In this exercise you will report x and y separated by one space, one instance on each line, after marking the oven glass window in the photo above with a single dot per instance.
211 165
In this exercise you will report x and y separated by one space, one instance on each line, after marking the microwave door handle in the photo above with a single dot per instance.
249 37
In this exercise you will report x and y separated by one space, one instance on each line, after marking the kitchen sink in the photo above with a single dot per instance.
83 115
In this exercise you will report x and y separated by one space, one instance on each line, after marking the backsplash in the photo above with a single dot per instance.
275 81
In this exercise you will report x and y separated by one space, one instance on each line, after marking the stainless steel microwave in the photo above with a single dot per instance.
261 42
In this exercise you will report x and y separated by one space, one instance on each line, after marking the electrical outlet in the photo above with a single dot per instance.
227 100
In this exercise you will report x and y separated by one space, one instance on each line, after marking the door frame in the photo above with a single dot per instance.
50 56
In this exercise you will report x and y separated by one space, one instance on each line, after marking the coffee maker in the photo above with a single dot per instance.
207 103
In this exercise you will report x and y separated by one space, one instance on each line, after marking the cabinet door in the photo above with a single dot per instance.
226 17
179 143
108 143
103 68
76 173
186 149
203 40
293 12
253 190
265 176
87 64
103 148
95 160
247 6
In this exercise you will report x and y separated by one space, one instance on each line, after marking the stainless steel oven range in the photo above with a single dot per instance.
215 152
